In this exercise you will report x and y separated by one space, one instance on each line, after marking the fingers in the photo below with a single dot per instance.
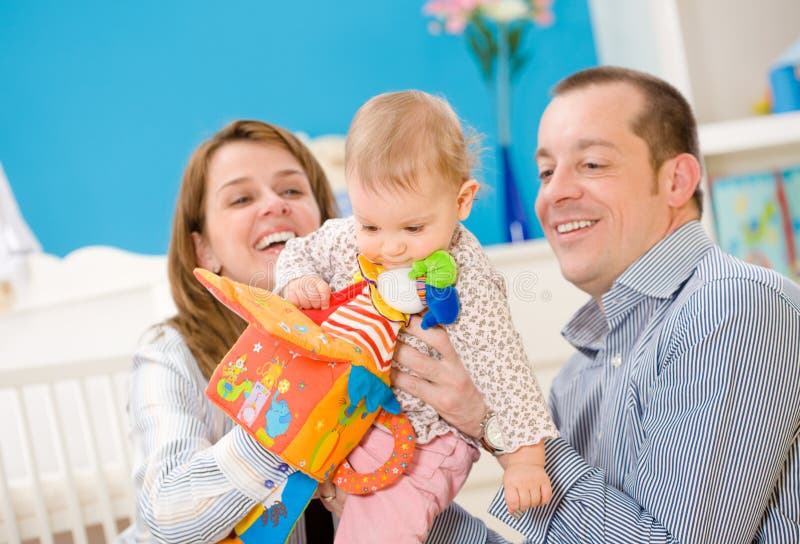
547 492
332 498
435 337
292 297
325 489
520 499
309 292
321 295
444 384
416 361
413 385
512 500
427 381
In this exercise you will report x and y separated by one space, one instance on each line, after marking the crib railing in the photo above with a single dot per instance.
65 461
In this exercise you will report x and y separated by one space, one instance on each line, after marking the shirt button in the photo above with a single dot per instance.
617 360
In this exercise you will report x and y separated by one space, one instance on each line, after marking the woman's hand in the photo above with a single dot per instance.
332 497
444 384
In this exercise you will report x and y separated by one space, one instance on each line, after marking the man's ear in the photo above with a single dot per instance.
203 254
466 196
683 174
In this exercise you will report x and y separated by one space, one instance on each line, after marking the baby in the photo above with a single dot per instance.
408 169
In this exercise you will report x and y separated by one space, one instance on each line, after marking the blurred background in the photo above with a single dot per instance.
101 103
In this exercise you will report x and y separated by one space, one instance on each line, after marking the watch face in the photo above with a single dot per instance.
493 435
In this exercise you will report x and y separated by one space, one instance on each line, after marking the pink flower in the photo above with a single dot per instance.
543 13
454 15
455 24
543 18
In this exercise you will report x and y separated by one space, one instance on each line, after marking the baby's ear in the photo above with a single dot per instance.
466 196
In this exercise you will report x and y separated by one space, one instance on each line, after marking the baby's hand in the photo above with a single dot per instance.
308 292
526 486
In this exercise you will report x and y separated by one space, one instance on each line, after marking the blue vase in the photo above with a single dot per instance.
515 224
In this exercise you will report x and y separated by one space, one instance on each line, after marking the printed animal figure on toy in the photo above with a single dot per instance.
277 417
319 379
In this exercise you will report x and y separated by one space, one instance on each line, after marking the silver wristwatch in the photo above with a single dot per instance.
491 438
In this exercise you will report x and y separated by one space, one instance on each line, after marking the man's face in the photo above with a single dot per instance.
600 203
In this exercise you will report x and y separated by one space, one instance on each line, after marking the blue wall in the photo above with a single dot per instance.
101 103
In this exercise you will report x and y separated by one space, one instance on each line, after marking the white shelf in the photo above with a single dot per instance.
751 133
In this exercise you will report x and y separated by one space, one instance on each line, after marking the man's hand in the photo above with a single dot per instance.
308 293
444 384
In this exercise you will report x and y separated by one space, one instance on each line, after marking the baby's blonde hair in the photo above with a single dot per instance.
395 137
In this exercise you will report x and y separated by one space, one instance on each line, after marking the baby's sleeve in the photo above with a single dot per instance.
491 348
325 252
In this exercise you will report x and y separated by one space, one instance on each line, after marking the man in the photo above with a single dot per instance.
679 411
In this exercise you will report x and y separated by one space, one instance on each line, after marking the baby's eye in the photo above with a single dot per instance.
369 228
413 229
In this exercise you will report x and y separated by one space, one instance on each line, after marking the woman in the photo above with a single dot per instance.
245 191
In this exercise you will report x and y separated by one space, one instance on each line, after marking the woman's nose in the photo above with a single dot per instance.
274 204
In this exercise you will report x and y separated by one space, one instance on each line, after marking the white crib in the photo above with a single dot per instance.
65 349
65 354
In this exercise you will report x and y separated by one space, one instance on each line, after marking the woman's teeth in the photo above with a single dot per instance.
274 238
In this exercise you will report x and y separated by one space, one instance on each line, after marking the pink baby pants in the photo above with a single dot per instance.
403 512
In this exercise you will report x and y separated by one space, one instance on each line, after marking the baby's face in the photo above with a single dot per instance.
394 228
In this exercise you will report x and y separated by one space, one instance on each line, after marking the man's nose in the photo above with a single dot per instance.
562 185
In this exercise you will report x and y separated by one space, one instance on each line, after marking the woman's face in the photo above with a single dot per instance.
257 197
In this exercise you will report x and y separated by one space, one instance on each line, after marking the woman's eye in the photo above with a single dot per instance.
592 165
290 193
240 200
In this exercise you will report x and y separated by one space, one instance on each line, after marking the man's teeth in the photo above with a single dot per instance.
274 238
574 225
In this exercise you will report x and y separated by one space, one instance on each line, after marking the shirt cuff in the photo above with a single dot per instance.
565 467
252 469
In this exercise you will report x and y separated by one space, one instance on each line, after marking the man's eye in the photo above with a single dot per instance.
545 174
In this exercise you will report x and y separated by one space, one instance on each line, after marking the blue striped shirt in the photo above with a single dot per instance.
680 411
197 474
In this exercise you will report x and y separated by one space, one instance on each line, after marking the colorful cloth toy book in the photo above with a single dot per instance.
308 384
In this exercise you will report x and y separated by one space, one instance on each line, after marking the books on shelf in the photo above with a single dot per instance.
757 218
